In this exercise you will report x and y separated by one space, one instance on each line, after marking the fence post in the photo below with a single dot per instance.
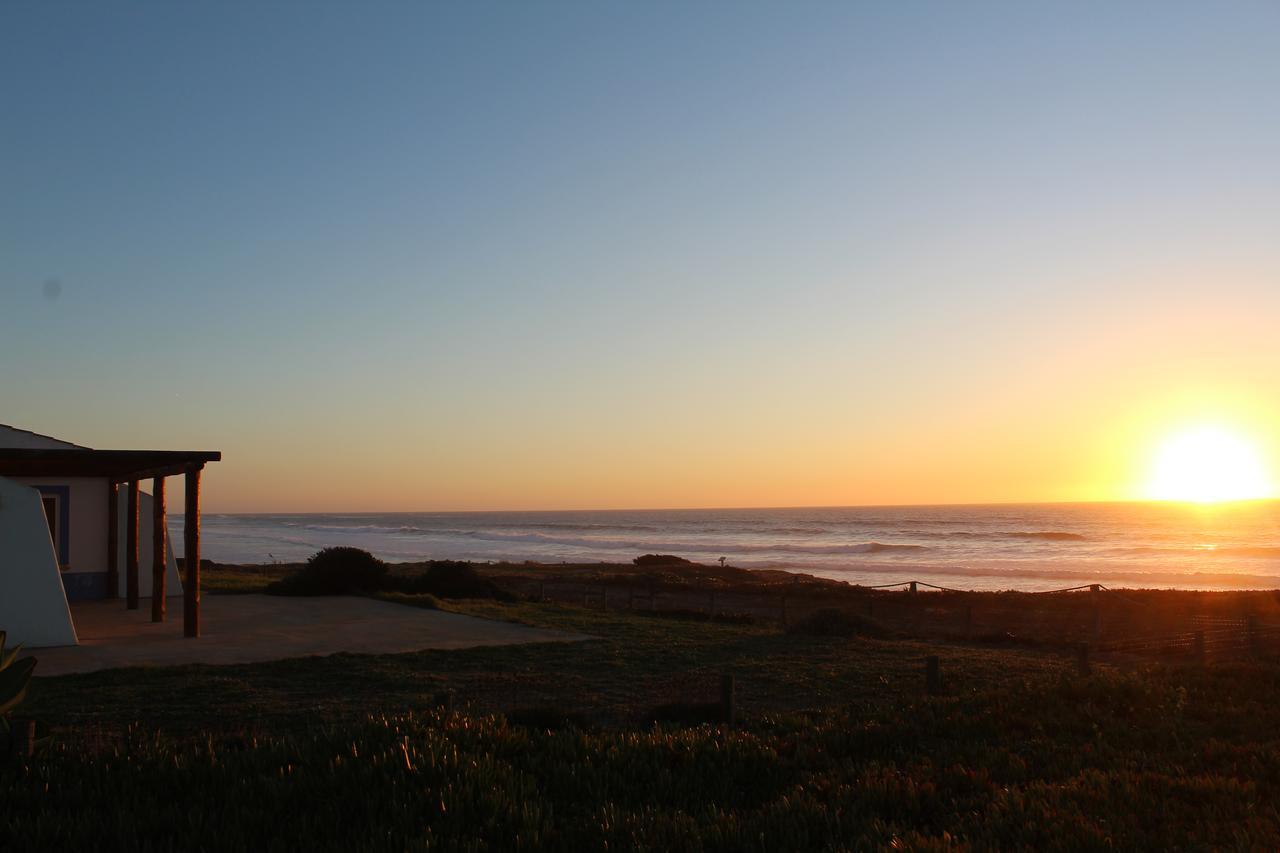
913 587
1095 594
727 699
1197 646
1082 659
1251 634
932 678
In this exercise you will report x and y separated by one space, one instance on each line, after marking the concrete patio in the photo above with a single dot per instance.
251 628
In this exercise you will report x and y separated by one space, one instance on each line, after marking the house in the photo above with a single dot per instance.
75 525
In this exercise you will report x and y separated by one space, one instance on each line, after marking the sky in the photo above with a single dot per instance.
408 256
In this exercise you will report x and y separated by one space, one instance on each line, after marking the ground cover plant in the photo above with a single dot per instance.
552 747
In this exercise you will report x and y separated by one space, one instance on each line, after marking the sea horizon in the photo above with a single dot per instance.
1030 546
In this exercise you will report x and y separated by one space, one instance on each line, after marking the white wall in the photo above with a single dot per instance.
33 607
173 583
87 523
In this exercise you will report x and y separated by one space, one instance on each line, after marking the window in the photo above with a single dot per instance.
56 502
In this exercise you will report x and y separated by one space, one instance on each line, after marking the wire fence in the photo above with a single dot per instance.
1109 623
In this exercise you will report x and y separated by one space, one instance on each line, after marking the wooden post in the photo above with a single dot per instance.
131 547
932 677
191 557
913 587
1197 646
22 738
157 550
1095 595
1082 659
727 699
113 540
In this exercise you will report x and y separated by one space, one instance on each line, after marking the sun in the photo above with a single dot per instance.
1207 464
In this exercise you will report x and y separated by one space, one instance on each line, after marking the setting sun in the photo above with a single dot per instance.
1208 464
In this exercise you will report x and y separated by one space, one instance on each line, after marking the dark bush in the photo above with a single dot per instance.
449 579
661 560
686 713
548 718
334 571
685 615
833 622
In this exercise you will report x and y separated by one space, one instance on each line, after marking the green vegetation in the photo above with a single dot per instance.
553 747
15 677
334 571
351 571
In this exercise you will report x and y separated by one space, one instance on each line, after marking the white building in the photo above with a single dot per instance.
75 526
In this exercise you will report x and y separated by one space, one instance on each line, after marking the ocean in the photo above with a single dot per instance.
1028 547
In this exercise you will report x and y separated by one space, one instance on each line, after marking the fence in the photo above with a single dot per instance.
1111 623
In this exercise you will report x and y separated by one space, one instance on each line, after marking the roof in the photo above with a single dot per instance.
117 465
11 436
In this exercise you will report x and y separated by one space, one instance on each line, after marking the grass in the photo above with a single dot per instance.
839 748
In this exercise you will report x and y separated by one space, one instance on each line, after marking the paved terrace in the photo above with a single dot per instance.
251 628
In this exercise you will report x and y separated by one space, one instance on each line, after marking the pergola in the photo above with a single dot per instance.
129 467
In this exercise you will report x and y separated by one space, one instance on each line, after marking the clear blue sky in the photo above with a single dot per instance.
616 254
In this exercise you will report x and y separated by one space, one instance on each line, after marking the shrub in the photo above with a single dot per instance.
334 571
450 579
833 622
548 718
686 713
661 560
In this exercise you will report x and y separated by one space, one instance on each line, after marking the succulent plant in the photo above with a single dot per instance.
15 676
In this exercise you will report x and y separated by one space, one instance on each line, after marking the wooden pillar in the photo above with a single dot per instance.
113 540
131 547
191 557
932 675
728 699
158 590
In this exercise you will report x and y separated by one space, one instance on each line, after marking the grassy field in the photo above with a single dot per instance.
838 747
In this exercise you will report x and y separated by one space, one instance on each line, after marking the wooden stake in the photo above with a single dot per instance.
728 699
131 547
157 550
191 557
